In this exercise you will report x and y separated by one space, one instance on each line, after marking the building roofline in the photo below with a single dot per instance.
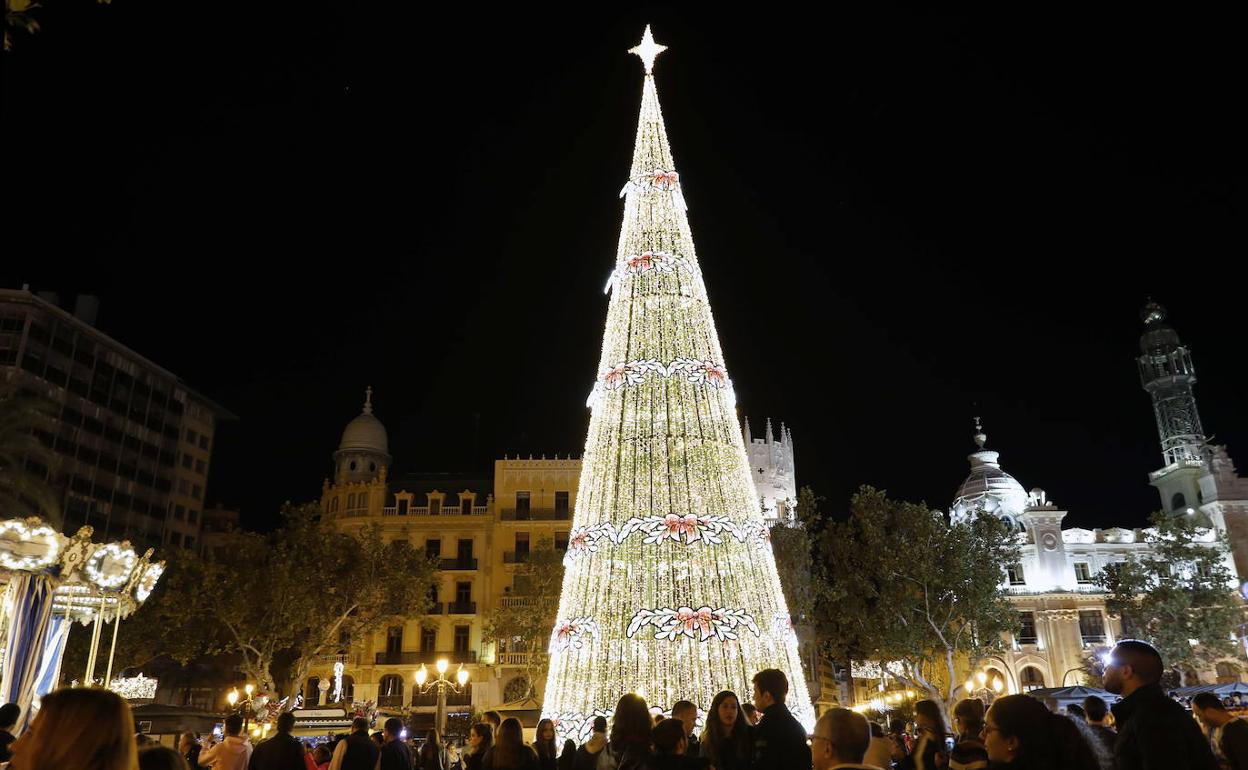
25 295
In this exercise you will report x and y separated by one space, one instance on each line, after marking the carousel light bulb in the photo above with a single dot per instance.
442 664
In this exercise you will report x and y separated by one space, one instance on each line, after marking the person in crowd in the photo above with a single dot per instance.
282 751
433 755
587 754
82 728
9 713
480 738
157 757
495 720
544 746
900 740
687 713
779 739
879 750
671 746
840 741
969 752
1228 734
929 750
357 751
189 748
567 757
1153 730
322 756
378 738
509 751
727 741
394 754
752 715
1076 712
1020 733
1096 714
233 753
629 743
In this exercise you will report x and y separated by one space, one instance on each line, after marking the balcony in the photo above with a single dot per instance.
409 658
452 698
390 701
458 563
461 608
514 658
515 601
515 557
436 608
536 514
477 510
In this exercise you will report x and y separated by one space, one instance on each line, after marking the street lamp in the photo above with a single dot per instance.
441 683
985 691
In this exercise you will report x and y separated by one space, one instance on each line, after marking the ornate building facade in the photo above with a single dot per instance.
775 476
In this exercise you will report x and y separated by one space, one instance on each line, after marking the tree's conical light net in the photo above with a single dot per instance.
670 589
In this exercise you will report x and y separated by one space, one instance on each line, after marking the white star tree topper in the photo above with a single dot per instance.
647 49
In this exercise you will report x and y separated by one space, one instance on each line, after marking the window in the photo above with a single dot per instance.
461 638
200 466
465 506
1092 627
1031 679
192 515
403 503
189 541
561 541
1228 673
203 442
184 486
428 640
196 491
361 500
1027 633
1178 501
463 592
522 504
191 436
350 500
465 550
435 506
1083 574
561 502
179 512
391 686
394 639
333 505
1015 575
312 693
186 460
433 548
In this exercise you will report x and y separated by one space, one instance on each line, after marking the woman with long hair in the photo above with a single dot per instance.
480 738
83 728
544 746
727 739
968 723
630 733
509 751
433 755
930 732
1020 733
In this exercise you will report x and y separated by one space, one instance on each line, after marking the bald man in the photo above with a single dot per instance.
840 741
1154 732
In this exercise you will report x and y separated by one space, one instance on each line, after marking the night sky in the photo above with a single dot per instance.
903 220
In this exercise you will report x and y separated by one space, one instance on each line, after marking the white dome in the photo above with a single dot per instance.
365 433
989 489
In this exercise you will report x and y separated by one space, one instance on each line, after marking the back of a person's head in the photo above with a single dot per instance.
1094 708
485 731
9 713
494 718
600 724
157 757
931 710
321 754
1143 658
773 682
79 727
394 726
682 707
1044 739
847 731
359 725
631 722
233 724
970 713
433 739
667 735
285 722
897 726
877 730
1207 700
509 748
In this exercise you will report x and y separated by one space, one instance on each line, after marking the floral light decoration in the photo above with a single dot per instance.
110 566
701 624
147 583
572 634
25 545
134 687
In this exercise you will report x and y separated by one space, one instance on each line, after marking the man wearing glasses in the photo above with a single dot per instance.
840 741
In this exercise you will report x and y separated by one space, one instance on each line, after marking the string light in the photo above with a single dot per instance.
668 563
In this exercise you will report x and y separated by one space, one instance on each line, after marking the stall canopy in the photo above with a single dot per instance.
1058 698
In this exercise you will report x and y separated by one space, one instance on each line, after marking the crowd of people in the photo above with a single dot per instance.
93 729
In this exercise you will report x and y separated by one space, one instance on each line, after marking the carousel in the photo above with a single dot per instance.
52 581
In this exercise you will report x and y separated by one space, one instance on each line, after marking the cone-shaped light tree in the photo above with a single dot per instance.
670 589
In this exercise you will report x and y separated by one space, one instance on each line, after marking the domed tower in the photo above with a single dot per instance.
1167 374
364 452
990 489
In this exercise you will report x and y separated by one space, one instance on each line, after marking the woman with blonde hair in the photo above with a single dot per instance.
80 728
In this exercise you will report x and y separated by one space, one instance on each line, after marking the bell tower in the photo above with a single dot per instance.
1167 374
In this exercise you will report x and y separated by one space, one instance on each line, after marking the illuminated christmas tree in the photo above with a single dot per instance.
670 588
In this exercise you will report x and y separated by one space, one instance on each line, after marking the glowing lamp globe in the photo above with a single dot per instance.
462 676
422 675
442 664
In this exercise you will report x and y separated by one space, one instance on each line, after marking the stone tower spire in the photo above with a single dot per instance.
1167 374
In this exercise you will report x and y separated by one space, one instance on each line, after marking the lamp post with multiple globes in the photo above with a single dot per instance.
978 686
442 684
244 706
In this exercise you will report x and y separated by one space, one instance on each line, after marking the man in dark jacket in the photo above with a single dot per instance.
1154 732
1229 734
357 751
395 754
282 751
687 713
779 739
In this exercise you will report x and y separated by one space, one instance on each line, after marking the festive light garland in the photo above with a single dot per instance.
134 687
16 538
147 583
667 534
110 566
